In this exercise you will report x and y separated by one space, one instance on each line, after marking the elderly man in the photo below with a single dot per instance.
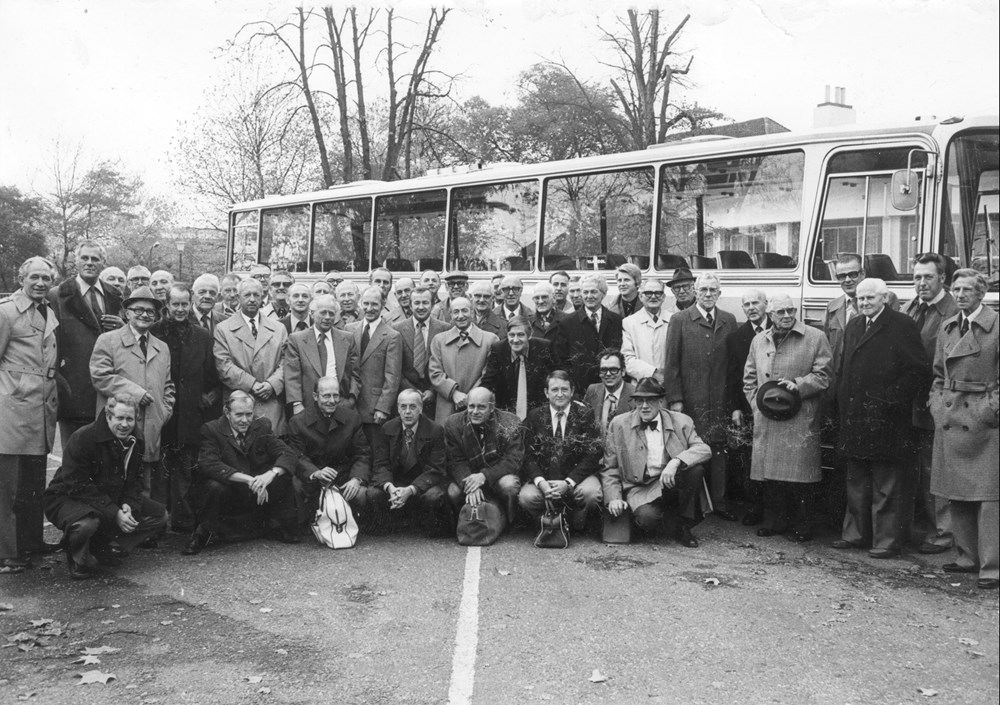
587 332
516 369
229 295
511 306
644 333
575 294
930 308
682 287
347 294
403 289
457 283
563 454
495 281
964 403
137 276
612 396
626 301
245 471
416 334
198 399
484 316
381 277
741 413
277 304
84 309
159 283
204 297
380 357
97 497
411 466
458 359
297 318
786 449
560 292
114 278
333 280
485 453
28 398
545 322
317 352
249 349
320 288
695 377
653 455
132 362
431 280
333 448
884 367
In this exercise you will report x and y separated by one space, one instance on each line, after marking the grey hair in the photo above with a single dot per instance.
23 269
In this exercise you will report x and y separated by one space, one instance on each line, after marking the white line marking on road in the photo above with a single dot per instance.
463 664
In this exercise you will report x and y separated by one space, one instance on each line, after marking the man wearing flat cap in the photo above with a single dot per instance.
653 455
682 287
786 373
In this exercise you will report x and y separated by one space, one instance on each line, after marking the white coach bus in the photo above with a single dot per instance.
770 212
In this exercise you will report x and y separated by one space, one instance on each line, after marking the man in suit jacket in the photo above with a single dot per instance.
612 396
381 277
84 309
883 369
737 350
249 349
243 469
563 456
417 351
458 359
652 455
484 316
587 332
299 301
511 306
380 357
929 309
204 298
513 391
410 466
545 321
644 333
485 453
849 272
130 361
626 302
229 295
197 393
695 376
306 361
332 446
559 280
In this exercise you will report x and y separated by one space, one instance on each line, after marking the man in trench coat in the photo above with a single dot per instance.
458 359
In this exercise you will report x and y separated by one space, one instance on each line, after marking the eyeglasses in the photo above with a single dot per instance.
784 311
682 287
281 285
260 277
653 294
610 370
145 312
849 275
510 289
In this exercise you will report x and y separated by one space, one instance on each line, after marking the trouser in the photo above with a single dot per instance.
157 479
178 465
365 505
920 502
67 427
429 511
684 495
22 511
92 532
504 491
717 477
789 505
213 501
976 527
874 503
738 468
581 500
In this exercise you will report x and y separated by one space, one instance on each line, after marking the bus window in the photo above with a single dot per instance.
739 213
341 230
858 216
284 237
245 240
598 221
493 227
409 230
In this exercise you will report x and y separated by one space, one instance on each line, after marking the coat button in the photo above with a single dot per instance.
947 403
965 428
946 427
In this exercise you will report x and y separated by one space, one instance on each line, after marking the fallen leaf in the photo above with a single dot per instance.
598 677
95 677
711 581
977 654
115 606
26 696
40 622
312 594
107 621
88 660
6 606
283 652
167 622
965 641
265 690
927 692
266 610
928 575
254 679
503 572
955 584
255 602
98 650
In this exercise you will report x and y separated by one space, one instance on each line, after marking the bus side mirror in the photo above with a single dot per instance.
904 188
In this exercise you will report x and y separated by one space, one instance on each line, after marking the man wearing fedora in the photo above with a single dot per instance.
652 455
682 287
786 373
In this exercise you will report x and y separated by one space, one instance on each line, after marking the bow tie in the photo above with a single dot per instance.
649 425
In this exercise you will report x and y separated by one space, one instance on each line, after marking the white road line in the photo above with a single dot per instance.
463 664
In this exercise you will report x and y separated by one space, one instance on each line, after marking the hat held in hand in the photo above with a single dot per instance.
777 402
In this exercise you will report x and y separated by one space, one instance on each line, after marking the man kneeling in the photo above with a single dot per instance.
652 455
96 497
244 470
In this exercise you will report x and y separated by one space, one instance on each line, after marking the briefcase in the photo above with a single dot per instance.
480 525
554 529
616 529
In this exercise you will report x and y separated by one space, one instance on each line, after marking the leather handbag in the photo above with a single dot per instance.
616 529
554 529
334 525
480 525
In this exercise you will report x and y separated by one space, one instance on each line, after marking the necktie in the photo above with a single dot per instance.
366 338
921 314
420 350
649 425
408 433
253 327
757 329
94 302
242 439
323 354
521 408
711 319
142 345
558 430
611 405
43 311
868 324
594 320
463 337
656 319
963 326
301 325
206 321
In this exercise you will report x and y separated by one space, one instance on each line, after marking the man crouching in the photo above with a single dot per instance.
96 497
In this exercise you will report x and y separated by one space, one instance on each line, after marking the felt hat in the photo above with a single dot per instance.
143 293
778 403
648 388
681 275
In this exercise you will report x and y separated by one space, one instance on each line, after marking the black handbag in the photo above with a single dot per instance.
616 529
554 529
480 525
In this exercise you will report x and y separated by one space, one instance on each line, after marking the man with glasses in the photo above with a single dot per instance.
511 288
137 276
682 286
651 457
333 279
626 301
695 377
403 289
545 322
612 396
644 334
261 273
229 295
516 369
560 292
457 283
277 305
485 318
131 361
849 272
587 332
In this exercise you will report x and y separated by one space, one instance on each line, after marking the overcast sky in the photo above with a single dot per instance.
118 75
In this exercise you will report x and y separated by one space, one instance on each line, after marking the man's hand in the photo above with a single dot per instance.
126 522
209 398
475 498
459 399
428 396
380 417
668 478
260 482
677 406
351 489
738 417
788 384
111 322
616 507
474 482
326 475
399 496
146 399
556 489
297 408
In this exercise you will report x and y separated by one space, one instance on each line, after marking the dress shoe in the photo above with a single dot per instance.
109 555
199 539
883 553
44 549
956 568
765 531
753 517
79 572
150 543
14 565
929 549
843 544
286 536
685 537
987 583
800 537
725 514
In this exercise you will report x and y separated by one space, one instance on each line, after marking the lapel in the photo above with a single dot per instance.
876 327
266 324
227 433
69 292
970 344
130 343
312 350
238 325
374 341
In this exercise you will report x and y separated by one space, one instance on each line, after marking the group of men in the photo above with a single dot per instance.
223 408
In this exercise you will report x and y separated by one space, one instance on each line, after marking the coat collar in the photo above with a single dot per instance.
475 335
666 423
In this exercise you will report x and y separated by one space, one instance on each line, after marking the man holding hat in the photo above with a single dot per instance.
652 455
682 286
787 371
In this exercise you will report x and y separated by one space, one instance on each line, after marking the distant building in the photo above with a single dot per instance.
835 112
746 128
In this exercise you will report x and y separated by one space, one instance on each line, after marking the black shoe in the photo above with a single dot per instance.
110 555
286 536
725 514
44 549
764 532
987 583
883 553
685 537
843 544
77 571
150 543
199 539
800 537
929 549
956 568
753 517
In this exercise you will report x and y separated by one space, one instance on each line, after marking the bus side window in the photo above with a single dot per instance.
284 237
409 227
341 231
494 227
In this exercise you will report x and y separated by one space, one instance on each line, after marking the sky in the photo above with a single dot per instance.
117 76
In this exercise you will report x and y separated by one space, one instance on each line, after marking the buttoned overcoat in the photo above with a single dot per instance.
241 360
457 364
